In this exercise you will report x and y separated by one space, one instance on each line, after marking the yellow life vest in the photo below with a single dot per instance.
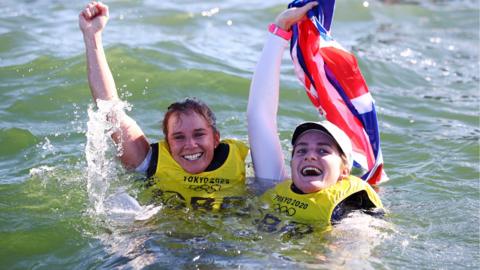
316 207
207 190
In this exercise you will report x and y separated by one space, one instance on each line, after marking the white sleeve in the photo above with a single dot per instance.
143 167
265 147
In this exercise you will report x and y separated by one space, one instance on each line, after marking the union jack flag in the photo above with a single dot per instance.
336 87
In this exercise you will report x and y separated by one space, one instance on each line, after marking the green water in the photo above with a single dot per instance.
421 62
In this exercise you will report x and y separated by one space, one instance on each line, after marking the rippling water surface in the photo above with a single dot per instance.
420 59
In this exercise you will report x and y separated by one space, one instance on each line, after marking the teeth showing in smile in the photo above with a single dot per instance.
311 171
193 156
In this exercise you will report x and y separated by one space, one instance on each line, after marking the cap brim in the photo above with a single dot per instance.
307 126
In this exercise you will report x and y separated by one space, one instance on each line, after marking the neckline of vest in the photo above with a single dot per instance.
296 190
220 155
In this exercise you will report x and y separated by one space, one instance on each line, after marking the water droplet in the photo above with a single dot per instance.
435 40
406 52
211 12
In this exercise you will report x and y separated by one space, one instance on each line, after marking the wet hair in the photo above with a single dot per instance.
187 106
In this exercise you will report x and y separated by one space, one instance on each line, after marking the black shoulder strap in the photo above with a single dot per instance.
219 157
356 201
152 166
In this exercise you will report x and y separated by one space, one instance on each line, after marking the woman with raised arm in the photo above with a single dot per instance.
320 188
192 162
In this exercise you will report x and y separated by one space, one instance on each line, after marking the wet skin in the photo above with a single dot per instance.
192 141
316 162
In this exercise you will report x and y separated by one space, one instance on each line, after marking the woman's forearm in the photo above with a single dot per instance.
262 110
100 77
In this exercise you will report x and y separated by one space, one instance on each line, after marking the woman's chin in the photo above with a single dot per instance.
194 168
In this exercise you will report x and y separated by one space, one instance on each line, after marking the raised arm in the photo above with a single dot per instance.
265 147
92 21
262 109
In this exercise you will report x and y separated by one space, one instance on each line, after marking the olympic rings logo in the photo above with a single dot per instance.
282 209
206 188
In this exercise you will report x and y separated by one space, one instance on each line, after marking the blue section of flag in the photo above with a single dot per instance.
324 70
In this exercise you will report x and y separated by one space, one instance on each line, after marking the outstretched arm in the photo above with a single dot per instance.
92 21
265 147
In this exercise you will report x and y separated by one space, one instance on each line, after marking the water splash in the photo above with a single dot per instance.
103 168
100 150
116 210
46 148
123 208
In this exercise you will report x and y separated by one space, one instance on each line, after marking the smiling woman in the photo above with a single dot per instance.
193 163
320 190
422 65
192 149
191 133
317 161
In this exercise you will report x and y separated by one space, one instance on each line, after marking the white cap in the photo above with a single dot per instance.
342 140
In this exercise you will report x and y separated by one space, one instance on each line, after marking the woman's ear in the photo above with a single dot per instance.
216 139
344 172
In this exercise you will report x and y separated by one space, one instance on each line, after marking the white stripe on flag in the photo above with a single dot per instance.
331 43
360 159
296 65
312 91
363 103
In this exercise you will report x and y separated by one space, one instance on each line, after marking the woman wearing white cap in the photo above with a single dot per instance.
320 187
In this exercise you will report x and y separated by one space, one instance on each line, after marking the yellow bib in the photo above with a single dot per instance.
207 190
317 207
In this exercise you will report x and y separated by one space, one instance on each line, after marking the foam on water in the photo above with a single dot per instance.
355 239
39 171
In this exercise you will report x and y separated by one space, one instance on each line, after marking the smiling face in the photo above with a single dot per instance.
192 141
316 162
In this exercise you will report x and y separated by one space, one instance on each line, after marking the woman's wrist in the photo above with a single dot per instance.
280 31
92 40
283 24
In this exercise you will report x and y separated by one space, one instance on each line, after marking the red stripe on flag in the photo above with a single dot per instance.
345 68
376 178
328 97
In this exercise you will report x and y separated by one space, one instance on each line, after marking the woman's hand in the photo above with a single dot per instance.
290 16
93 18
